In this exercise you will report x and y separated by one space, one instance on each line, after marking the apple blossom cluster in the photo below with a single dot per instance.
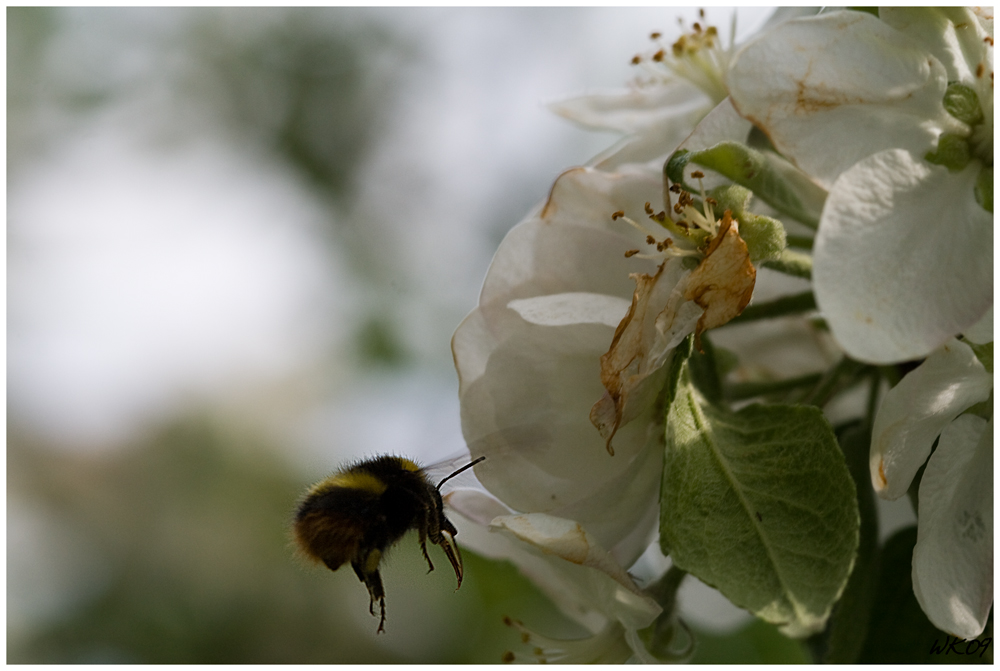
770 301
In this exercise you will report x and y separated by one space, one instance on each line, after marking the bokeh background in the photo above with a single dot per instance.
238 242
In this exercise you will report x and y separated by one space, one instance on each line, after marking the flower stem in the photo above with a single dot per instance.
661 638
799 241
836 379
786 305
792 263
872 406
743 390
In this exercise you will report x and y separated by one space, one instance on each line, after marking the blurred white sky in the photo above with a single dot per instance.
148 272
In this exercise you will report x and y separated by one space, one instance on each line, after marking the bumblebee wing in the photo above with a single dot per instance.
495 458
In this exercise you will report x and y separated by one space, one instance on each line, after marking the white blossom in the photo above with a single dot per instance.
903 256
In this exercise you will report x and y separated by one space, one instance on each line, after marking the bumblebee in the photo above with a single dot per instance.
359 512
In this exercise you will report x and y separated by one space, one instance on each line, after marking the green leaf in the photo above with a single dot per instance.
777 182
759 504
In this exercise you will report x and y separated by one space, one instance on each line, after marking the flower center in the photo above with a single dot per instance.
691 230
697 56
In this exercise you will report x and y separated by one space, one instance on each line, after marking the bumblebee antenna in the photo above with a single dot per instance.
463 468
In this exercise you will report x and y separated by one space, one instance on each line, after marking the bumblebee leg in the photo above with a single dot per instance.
367 572
442 532
423 546
450 547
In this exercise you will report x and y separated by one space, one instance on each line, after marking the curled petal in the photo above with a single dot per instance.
904 257
916 410
953 558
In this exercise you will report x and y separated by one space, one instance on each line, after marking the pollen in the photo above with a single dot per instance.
689 234
696 56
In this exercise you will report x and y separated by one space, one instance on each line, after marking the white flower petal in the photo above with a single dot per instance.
916 410
722 124
633 110
953 35
653 145
597 576
903 259
528 409
953 558
812 86
982 331
529 362
571 308
571 244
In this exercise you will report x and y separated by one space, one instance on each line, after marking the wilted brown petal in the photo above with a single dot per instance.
665 308
723 282
658 319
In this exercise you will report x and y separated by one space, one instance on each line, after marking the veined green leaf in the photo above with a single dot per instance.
759 504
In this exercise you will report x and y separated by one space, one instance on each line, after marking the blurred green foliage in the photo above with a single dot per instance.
191 527
756 643
313 83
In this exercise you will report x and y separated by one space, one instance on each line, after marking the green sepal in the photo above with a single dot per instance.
952 152
759 504
961 101
777 182
765 237
984 189
674 167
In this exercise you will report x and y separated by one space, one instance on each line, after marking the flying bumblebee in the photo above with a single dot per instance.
359 512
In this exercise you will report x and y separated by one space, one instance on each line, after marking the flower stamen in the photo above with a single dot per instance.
694 228
696 56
